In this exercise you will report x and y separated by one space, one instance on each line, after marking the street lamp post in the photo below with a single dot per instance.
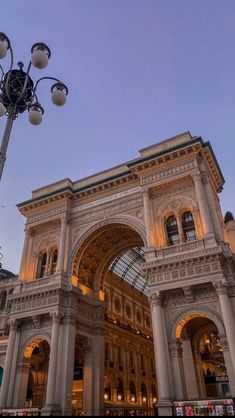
18 92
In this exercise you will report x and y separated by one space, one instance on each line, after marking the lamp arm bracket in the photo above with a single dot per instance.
46 78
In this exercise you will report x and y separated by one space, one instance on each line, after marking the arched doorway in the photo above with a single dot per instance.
203 359
107 267
34 375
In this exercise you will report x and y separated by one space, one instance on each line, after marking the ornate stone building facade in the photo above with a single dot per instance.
75 334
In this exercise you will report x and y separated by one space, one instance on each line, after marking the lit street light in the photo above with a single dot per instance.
18 90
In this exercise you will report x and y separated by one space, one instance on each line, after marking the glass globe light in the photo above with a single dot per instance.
40 55
59 94
35 114
3 49
2 110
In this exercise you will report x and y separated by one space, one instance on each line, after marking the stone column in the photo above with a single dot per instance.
176 357
21 386
66 256
189 369
200 378
180 229
228 364
51 382
67 365
203 206
87 379
148 219
98 351
29 260
49 263
212 207
228 317
13 370
63 234
161 355
23 264
8 364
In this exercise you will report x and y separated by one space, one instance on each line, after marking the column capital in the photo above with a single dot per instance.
14 325
175 348
221 287
145 191
56 317
155 299
27 229
64 219
197 176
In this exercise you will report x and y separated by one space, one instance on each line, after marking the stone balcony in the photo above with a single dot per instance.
186 251
53 282
186 247
38 295
196 261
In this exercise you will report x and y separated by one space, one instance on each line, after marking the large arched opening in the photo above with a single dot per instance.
34 374
204 362
107 265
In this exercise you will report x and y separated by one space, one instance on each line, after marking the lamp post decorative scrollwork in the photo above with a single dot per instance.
18 92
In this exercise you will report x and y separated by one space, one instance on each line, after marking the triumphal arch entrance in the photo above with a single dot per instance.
125 299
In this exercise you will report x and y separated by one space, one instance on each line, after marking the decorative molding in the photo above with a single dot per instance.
168 172
107 199
155 299
188 293
48 214
221 287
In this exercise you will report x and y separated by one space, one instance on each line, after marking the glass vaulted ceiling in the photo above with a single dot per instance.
127 266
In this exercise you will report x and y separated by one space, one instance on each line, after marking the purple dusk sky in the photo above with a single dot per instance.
138 71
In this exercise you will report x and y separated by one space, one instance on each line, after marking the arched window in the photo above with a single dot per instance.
54 261
133 392
154 394
120 390
144 394
188 227
43 265
107 388
132 361
3 300
172 231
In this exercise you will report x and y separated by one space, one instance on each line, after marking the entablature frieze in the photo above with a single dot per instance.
49 215
158 177
107 211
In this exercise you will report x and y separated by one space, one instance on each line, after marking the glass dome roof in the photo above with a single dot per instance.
127 266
